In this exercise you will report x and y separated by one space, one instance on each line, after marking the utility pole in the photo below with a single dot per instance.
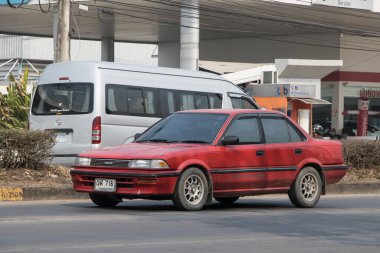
62 42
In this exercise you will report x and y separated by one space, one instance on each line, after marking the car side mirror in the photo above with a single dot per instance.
137 135
230 140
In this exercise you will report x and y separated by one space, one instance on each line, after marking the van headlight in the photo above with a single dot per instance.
82 161
148 164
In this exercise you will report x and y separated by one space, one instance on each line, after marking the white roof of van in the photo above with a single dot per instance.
140 68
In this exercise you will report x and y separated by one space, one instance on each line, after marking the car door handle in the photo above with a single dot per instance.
260 152
298 151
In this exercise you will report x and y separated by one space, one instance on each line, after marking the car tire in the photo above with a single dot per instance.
191 191
104 200
226 200
306 189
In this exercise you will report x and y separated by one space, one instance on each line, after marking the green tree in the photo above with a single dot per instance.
14 107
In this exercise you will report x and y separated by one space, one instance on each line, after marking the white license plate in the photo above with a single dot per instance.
61 137
105 185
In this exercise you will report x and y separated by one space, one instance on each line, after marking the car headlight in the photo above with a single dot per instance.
82 161
148 164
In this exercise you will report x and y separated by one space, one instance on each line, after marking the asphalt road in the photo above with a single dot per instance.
344 223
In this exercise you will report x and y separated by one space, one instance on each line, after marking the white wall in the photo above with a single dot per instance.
169 54
36 48
251 50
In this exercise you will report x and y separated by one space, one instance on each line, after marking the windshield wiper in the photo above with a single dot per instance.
194 141
158 140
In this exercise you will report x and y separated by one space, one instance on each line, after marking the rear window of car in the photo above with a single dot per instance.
63 98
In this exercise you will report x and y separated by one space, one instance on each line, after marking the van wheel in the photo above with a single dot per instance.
191 190
306 190
104 200
226 200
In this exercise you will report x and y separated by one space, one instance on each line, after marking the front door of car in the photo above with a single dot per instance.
285 150
240 166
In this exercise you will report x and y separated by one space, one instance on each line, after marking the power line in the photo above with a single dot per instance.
241 33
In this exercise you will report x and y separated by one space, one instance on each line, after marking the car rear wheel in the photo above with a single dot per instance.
306 190
191 190
104 200
226 200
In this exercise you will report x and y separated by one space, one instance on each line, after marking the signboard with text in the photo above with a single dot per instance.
353 4
282 90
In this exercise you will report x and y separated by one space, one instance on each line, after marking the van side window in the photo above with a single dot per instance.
149 102
117 100
186 101
201 102
155 102
241 103
167 102
215 101
135 101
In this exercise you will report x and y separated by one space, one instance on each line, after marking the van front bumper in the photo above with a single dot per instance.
129 184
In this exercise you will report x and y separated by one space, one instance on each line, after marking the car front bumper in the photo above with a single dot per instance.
129 184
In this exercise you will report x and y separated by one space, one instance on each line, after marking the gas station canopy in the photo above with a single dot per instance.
153 21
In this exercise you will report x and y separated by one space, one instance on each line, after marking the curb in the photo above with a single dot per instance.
57 193
39 193
353 188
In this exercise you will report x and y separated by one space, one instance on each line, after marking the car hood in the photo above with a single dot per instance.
143 151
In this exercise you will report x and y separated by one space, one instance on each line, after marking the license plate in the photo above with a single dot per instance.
105 185
61 137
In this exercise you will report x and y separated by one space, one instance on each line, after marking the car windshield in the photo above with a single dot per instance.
185 127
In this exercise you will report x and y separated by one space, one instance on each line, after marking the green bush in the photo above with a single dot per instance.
25 149
14 106
362 154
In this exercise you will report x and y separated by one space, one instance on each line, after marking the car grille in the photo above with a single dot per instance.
110 163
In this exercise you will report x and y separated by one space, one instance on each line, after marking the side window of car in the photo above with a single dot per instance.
295 136
246 128
275 129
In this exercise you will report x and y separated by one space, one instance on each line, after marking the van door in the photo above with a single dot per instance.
67 109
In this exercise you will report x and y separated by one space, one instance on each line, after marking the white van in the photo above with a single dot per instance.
98 104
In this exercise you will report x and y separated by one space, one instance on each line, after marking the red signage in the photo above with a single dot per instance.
363 106
367 93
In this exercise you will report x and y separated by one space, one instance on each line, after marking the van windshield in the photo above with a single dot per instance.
63 98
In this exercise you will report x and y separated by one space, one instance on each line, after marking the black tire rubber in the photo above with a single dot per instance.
179 198
104 200
295 193
226 200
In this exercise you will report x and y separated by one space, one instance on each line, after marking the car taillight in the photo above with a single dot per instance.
96 130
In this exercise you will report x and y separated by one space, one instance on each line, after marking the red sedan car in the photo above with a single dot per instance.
191 157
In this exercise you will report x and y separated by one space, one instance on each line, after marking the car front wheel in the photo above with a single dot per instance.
191 190
104 200
306 190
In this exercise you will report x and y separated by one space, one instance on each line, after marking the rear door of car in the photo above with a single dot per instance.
285 148
241 167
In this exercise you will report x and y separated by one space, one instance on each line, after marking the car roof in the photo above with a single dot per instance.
231 111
